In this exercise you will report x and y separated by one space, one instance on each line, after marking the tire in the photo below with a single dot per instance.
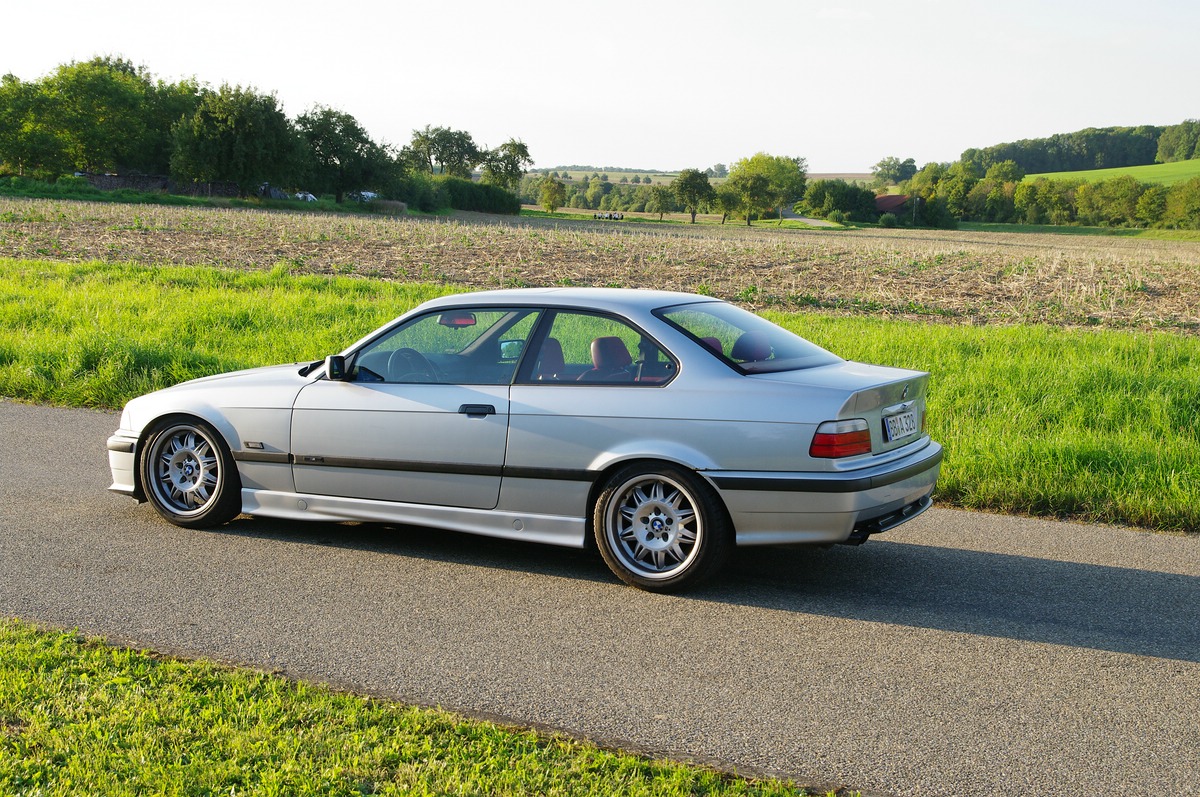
661 528
188 474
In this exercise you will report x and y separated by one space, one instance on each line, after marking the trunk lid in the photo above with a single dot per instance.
890 400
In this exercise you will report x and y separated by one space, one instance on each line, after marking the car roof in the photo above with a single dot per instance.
610 299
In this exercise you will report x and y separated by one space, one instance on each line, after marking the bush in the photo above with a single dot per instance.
836 216
430 194
419 191
469 195
824 197
70 184
887 220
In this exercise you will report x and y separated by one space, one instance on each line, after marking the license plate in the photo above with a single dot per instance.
902 425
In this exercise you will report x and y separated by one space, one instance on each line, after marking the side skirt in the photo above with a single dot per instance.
569 532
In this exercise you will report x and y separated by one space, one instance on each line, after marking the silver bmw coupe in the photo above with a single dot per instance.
666 427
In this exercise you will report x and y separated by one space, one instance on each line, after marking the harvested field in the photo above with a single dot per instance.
952 277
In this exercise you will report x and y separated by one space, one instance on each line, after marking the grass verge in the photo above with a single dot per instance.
78 717
1093 424
1068 229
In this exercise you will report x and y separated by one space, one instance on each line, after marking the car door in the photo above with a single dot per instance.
593 383
422 417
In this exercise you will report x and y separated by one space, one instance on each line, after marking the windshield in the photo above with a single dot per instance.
744 340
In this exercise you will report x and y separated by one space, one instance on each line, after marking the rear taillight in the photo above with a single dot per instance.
836 439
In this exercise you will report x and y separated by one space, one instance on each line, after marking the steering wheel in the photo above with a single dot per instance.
406 363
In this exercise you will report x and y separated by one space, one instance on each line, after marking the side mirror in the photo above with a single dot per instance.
335 368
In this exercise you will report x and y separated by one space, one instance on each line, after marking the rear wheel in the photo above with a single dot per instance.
661 528
189 475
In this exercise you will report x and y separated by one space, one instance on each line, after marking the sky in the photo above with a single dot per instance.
663 85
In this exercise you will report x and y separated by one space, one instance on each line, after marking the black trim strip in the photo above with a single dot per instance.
261 456
830 485
121 446
549 474
399 465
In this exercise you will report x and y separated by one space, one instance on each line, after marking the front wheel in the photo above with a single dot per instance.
661 528
188 474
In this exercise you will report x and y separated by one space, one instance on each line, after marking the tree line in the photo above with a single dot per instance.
108 116
1092 148
990 184
942 194
753 188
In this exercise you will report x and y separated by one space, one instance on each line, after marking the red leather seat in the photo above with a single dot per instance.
610 361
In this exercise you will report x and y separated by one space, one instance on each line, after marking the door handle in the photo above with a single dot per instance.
471 410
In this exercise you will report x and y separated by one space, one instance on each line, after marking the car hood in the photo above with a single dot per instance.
264 376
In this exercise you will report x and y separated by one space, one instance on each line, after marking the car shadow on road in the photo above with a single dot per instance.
1121 610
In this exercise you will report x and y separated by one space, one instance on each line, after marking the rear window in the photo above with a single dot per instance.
744 340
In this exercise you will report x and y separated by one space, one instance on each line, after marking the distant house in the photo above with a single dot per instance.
890 203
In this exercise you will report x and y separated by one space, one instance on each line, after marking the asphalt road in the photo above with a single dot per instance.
963 654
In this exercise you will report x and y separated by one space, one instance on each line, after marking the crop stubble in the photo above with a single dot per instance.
955 277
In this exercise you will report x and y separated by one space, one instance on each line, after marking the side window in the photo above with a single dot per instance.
583 348
461 346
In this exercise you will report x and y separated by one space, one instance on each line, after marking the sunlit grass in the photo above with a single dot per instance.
78 717
95 335
1098 425
1161 173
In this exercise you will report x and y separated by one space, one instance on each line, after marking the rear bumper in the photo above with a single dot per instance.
791 508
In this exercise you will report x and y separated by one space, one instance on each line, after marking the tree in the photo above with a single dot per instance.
828 196
1183 205
892 170
595 192
785 179
692 189
1005 172
660 201
167 103
719 170
235 134
1179 142
28 143
752 191
440 150
342 157
504 165
727 200
553 194
97 108
1152 205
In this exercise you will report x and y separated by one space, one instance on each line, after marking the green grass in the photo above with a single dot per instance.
1163 173
1087 423
1068 229
94 335
78 717
1098 425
